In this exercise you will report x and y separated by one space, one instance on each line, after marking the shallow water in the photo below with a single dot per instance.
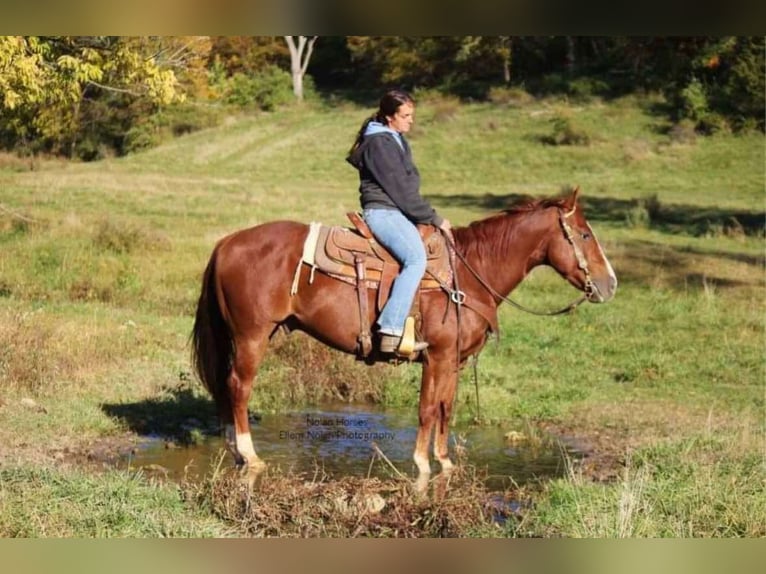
337 440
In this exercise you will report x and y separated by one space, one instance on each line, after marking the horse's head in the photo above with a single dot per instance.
575 253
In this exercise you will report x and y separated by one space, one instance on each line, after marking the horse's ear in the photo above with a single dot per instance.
575 195
571 201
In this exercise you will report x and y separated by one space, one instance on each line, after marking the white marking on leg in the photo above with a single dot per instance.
424 473
245 446
424 467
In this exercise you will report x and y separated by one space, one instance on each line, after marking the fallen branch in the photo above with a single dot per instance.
387 461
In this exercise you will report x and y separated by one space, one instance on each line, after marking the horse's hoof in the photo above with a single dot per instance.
249 473
441 485
421 484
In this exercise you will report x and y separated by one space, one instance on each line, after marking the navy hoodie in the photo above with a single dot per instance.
388 179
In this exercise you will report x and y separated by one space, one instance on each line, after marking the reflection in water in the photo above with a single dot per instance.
338 440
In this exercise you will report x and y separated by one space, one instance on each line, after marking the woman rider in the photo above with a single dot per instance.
389 186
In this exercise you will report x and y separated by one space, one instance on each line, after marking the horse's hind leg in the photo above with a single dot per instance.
248 355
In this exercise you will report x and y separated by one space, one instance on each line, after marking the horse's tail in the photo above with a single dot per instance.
212 345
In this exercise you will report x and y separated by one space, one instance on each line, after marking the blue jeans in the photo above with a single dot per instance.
400 236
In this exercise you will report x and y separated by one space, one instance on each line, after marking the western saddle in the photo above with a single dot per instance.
354 256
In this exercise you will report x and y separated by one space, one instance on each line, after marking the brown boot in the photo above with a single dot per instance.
390 344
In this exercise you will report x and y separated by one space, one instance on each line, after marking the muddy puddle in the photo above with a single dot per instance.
337 439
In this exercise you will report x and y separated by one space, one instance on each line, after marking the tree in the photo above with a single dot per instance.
46 82
481 53
300 55
248 55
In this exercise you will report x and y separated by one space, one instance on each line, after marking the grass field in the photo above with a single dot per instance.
99 275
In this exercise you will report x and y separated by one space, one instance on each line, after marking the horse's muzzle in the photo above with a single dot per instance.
601 291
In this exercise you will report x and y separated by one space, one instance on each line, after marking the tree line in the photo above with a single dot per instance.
91 96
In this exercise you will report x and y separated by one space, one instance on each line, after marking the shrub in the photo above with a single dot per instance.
267 90
637 216
567 132
515 97
643 211
726 86
742 93
694 101
143 135
713 123
584 89
169 122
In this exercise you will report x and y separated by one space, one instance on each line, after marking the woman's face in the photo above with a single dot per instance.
402 120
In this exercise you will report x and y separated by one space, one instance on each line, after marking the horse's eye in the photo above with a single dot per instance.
585 236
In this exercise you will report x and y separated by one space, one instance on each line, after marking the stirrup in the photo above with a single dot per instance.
404 345
396 344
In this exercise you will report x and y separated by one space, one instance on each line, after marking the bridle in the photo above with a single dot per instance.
589 289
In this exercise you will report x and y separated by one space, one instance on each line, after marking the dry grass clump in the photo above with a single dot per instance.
636 150
683 132
567 132
445 109
436 107
510 96
29 358
289 505
127 237
42 352
14 162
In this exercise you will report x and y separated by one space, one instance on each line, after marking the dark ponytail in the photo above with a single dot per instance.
389 103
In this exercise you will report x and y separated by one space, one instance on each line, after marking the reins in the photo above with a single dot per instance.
458 296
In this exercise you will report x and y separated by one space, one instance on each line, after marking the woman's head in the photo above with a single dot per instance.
396 110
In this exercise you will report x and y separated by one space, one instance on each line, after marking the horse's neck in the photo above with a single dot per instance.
515 252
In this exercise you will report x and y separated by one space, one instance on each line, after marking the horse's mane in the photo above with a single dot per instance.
486 235
534 204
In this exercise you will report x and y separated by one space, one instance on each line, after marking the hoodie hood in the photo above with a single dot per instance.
378 128
373 128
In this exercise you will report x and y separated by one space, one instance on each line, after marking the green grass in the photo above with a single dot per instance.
666 491
99 276
46 503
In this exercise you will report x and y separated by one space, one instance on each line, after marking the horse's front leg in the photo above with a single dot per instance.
426 419
444 401
437 393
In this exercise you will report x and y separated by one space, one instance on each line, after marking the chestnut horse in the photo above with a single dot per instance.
246 297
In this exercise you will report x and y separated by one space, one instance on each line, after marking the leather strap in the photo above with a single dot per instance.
487 312
360 224
364 338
